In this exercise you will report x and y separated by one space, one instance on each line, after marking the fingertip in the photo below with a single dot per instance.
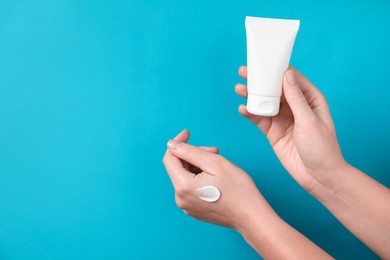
242 70
237 88
289 83
185 131
241 90
242 110
290 77
240 86
183 136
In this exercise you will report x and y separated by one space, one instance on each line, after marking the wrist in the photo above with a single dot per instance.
259 222
273 238
262 233
328 185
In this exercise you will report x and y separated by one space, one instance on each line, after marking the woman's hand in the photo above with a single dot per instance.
304 139
302 134
240 207
191 167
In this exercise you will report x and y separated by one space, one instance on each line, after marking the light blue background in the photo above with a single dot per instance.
90 91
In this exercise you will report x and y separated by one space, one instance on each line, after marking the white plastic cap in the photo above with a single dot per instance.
263 106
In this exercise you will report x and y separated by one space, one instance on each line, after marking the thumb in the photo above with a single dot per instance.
295 97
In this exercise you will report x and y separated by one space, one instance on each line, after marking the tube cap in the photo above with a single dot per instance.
263 106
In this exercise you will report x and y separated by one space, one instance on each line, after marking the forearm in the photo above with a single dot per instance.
362 205
272 238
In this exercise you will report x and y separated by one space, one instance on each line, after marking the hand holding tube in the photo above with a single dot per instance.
302 134
304 139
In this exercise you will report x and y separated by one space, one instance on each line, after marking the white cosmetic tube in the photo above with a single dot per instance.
269 46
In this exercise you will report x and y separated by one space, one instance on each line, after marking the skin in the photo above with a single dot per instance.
304 139
241 205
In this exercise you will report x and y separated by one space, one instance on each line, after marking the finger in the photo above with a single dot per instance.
305 84
314 97
209 149
174 165
262 122
295 97
193 169
195 156
243 72
241 90
175 169
183 136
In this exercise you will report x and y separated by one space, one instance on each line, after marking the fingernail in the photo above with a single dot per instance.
172 144
291 77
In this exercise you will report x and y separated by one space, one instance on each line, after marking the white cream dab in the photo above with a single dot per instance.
208 193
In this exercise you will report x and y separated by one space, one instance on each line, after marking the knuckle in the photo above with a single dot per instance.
196 217
182 190
218 161
298 97
180 202
323 99
215 159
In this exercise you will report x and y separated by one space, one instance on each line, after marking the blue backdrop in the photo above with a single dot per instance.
90 91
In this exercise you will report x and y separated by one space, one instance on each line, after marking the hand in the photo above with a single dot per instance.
240 207
302 134
190 168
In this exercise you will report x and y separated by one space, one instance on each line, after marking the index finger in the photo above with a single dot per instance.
202 159
175 169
